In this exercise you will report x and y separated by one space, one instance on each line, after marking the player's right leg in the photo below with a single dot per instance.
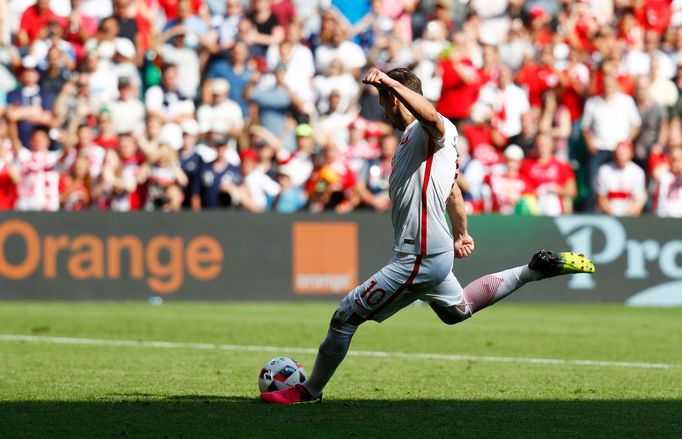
380 296
492 288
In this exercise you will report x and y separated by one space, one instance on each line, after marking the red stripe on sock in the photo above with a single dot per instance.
481 292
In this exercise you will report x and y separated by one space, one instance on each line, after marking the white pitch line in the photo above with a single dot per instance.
290 350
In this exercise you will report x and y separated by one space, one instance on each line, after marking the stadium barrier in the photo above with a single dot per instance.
225 255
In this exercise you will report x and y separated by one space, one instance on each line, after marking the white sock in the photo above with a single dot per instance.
332 351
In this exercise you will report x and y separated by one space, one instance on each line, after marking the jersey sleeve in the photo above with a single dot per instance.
450 135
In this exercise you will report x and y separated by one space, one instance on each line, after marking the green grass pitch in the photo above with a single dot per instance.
51 388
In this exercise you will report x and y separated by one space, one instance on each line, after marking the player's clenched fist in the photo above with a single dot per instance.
464 246
378 79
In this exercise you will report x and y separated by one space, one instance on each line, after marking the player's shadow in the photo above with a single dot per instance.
189 416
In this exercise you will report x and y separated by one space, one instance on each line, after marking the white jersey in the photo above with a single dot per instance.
424 170
39 186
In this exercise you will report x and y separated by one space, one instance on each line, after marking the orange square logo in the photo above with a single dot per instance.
325 257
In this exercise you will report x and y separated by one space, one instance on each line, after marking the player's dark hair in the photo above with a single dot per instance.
406 78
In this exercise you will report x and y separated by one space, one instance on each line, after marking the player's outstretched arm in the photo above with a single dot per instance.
415 103
464 243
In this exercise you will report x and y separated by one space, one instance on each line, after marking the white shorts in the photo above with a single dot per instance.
404 279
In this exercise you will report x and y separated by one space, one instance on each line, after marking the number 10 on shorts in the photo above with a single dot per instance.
371 296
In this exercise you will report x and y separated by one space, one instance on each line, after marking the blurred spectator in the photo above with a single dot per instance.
80 27
538 76
336 80
56 74
653 134
470 178
236 72
123 63
188 26
508 101
668 194
221 110
128 111
166 100
81 144
129 194
485 141
75 186
260 188
220 180
609 119
620 184
38 187
300 66
28 105
191 164
291 198
555 120
300 162
461 82
9 174
335 45
373 177
273 98
266 28
164 180
506 185
332 184
34 22
225 25
107 136
551 180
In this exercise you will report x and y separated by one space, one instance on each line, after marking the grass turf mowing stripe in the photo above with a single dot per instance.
280 349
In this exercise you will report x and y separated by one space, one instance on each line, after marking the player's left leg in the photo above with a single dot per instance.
492 288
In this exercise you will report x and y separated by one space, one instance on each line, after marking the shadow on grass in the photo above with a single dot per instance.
144 415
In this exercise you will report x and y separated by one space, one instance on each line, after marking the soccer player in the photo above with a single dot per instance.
422 190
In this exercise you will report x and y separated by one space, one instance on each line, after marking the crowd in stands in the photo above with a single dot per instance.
561 106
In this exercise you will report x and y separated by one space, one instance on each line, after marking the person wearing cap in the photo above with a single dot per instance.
127 112
221 109
219 180
28 105
124 62
506 184
550 179
191 164
620 184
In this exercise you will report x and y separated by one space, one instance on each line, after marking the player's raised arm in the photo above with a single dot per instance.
417 105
